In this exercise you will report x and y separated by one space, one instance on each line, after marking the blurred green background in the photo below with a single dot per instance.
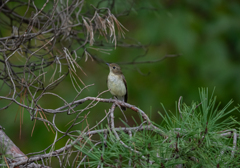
206 35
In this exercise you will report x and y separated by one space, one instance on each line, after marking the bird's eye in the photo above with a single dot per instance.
114 67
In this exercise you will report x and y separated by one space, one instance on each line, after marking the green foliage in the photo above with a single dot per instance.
193 138
196 133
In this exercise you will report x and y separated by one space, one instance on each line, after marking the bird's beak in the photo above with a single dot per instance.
107 64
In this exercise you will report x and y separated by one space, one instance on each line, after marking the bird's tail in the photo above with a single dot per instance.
122 99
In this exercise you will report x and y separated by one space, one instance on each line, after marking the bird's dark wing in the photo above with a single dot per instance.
126 95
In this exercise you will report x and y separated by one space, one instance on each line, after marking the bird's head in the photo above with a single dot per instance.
114 68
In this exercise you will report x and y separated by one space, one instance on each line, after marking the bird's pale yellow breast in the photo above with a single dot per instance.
116 84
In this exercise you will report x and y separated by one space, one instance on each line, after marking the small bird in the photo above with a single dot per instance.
117 84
